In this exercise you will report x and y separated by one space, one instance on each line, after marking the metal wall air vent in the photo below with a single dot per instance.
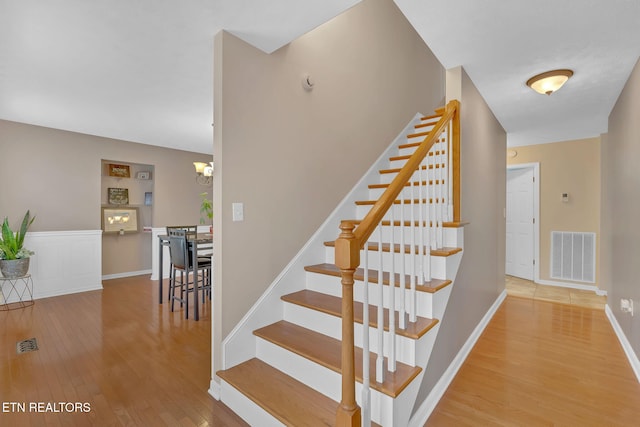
26 346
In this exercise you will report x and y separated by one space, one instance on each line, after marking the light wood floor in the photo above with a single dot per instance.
137 364
527 289
542 363
131 359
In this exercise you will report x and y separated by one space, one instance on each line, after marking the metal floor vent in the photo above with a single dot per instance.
26 346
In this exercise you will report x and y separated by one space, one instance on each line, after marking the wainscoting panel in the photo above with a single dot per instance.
65 262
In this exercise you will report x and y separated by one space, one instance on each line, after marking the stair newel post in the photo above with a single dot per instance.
455 166
438 180
449 187
347 249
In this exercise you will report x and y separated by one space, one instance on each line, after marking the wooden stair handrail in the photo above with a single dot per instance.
380 208
352 239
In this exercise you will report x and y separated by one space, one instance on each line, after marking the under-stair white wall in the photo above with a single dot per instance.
239 344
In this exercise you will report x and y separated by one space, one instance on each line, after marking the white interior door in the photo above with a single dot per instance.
520 223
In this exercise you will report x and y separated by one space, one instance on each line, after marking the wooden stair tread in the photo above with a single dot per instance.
427 123
386 247
287 399
396 170
333 306
408 156
419 134
396 202
414 144
408 184
432 286
445 224
438 113
327 351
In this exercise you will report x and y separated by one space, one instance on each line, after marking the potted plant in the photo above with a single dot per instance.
14 258
206 210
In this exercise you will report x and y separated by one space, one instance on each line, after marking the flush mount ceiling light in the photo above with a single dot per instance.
549 82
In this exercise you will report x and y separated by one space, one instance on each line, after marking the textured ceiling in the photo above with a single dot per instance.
142 70
501 44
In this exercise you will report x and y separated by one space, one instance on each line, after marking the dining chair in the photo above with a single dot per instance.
182 275
192 231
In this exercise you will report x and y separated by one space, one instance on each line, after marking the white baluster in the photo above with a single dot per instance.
412 255
439 205
402 324
421 219
392 297
450 180
425 247
366 392
380 356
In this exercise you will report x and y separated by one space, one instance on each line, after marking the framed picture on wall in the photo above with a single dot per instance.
143 175
120 220
119 171
118 196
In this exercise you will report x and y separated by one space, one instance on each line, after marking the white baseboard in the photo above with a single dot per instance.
68 291
125 274
626 345
572 285
214 389
421 416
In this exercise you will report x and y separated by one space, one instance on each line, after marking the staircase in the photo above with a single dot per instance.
284 361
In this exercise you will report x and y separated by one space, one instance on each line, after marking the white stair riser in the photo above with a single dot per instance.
326 324
385 410
439 148
321 379
245 408
331 285
438 263
435 191
449 235
433 159
386 178
398 211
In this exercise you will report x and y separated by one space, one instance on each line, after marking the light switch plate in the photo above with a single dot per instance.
238 211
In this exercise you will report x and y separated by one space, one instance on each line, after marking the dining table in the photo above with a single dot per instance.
192 242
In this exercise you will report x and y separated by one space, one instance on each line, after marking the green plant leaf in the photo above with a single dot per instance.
11 243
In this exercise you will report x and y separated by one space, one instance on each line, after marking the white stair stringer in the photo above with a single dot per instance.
241 345
248 410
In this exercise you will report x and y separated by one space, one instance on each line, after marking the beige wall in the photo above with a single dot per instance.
290 155
571 167
57 175
622 189
480 279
